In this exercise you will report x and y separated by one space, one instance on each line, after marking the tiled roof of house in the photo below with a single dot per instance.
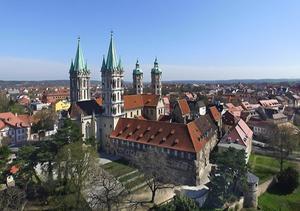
183 137
215 113
139 101
87 107
229 119
133 102
12 120
26 118
242 124
166 100
14 169
239 134
269 103
247 106
2 124
183 106
150 100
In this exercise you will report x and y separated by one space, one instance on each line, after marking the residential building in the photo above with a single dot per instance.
239 137
14 129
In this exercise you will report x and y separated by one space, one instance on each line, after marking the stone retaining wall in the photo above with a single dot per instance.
264 186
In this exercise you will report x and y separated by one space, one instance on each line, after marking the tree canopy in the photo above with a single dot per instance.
229 177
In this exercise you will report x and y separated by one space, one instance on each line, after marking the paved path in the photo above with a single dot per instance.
106 158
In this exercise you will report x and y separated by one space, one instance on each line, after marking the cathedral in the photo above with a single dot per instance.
125 125
99 120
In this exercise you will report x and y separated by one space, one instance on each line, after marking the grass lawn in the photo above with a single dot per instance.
265 166
134 183
269 201
118 168
130 176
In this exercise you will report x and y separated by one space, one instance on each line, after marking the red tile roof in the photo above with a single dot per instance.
215 113
239 134
133 102
2 124
14 169
184 106
139 101
150 100
26 118
12 120
182 137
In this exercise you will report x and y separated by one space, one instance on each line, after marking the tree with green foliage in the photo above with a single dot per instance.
4 103
77 162
229 178
44 120
4 155
17 108
48 150
27 159
180 203
288 180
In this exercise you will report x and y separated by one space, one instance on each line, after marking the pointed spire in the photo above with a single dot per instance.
103 63
155 62
79 60
120 63
71 66
137 70
137 64
111 62
156 69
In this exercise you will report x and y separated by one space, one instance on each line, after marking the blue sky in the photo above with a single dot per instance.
211 39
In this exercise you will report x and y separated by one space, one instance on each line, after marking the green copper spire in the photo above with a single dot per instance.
103 63
111 61
156 68
79 64
120 63
71 66
137 70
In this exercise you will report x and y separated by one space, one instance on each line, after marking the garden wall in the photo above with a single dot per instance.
264 186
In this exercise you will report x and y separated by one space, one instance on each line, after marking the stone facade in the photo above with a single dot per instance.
156 84
137 76
188 167
79 78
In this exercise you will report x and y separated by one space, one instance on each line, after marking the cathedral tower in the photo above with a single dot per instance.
137 75
156 79
112 83
79 78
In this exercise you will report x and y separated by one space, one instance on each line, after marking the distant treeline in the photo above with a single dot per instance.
50 83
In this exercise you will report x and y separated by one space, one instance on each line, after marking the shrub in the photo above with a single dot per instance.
180 203
288 180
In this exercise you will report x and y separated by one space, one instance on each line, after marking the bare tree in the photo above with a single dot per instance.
154 166
284 140
107 192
